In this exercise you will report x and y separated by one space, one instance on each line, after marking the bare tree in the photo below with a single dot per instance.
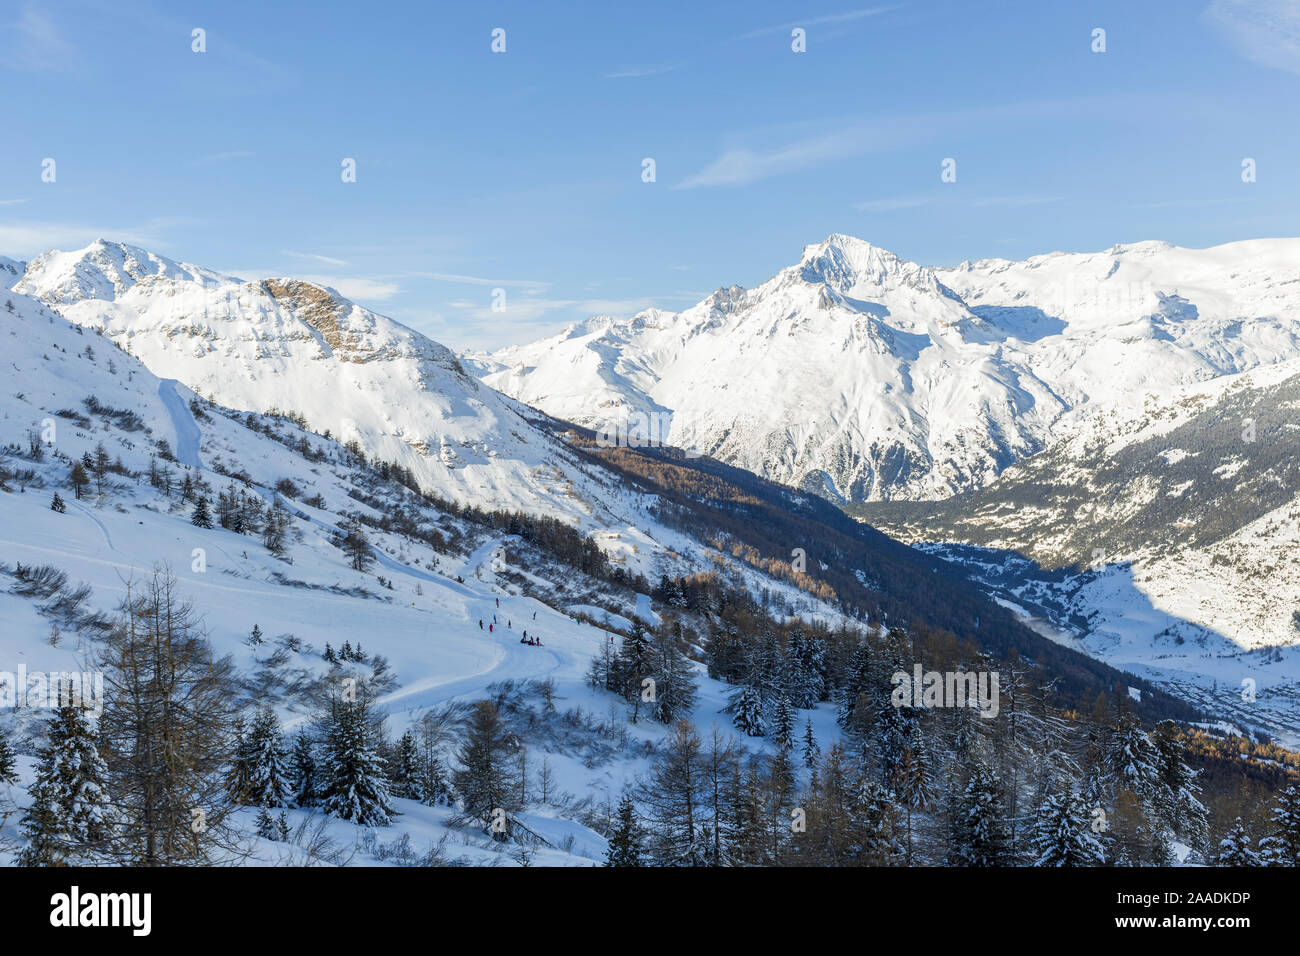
166 731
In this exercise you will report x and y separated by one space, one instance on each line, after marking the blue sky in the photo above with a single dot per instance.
523 170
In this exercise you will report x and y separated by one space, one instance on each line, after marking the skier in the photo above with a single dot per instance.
498 602
534 615
480 624
490 628
525 634
523 640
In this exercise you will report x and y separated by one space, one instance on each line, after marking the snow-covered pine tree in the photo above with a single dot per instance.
1176 800
673 674
406 770
747 711
1130 760
42 831
783 724
979 830
303 769
1061 834
1235 848
487 780
8 770
812 753
265 825
238 775
353 786
202 516
625 842
268 770
1282 846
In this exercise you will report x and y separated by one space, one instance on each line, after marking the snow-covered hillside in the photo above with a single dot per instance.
446 624
293 346
860 375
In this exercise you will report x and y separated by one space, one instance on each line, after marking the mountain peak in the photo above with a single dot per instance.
843 262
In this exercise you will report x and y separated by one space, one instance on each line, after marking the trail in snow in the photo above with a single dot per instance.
188 435
108 540
514 661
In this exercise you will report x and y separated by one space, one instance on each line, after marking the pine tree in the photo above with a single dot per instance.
282 828
1235 849
672 672
1176 799
354 786
268 771
1282 847
303 769
202 517
979 829
8 771
783 724
812 753
487 780
406 776
238 780
1061 834
41 828
747 711
1130 760
625 841
265 825
58 505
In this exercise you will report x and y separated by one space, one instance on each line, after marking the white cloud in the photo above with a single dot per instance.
357 289
328 260
634 72
891 203
819 21
1266 32
28 239
33 43
223 157
479 280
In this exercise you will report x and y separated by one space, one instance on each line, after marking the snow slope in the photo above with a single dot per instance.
293 346
426 625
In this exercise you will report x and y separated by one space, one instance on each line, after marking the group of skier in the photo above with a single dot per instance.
491 629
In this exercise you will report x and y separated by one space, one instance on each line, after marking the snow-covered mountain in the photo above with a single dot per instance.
297 347
1166 540
860 375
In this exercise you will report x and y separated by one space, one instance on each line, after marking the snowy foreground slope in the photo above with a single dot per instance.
425 624
865 377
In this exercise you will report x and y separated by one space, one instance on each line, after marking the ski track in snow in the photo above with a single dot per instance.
188 435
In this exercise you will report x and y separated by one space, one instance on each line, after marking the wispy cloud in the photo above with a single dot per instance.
34 43
358 289
633 72
13 202
479 280
742 165
224 157
891 203
848 17
25 239
313 257
1266 32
